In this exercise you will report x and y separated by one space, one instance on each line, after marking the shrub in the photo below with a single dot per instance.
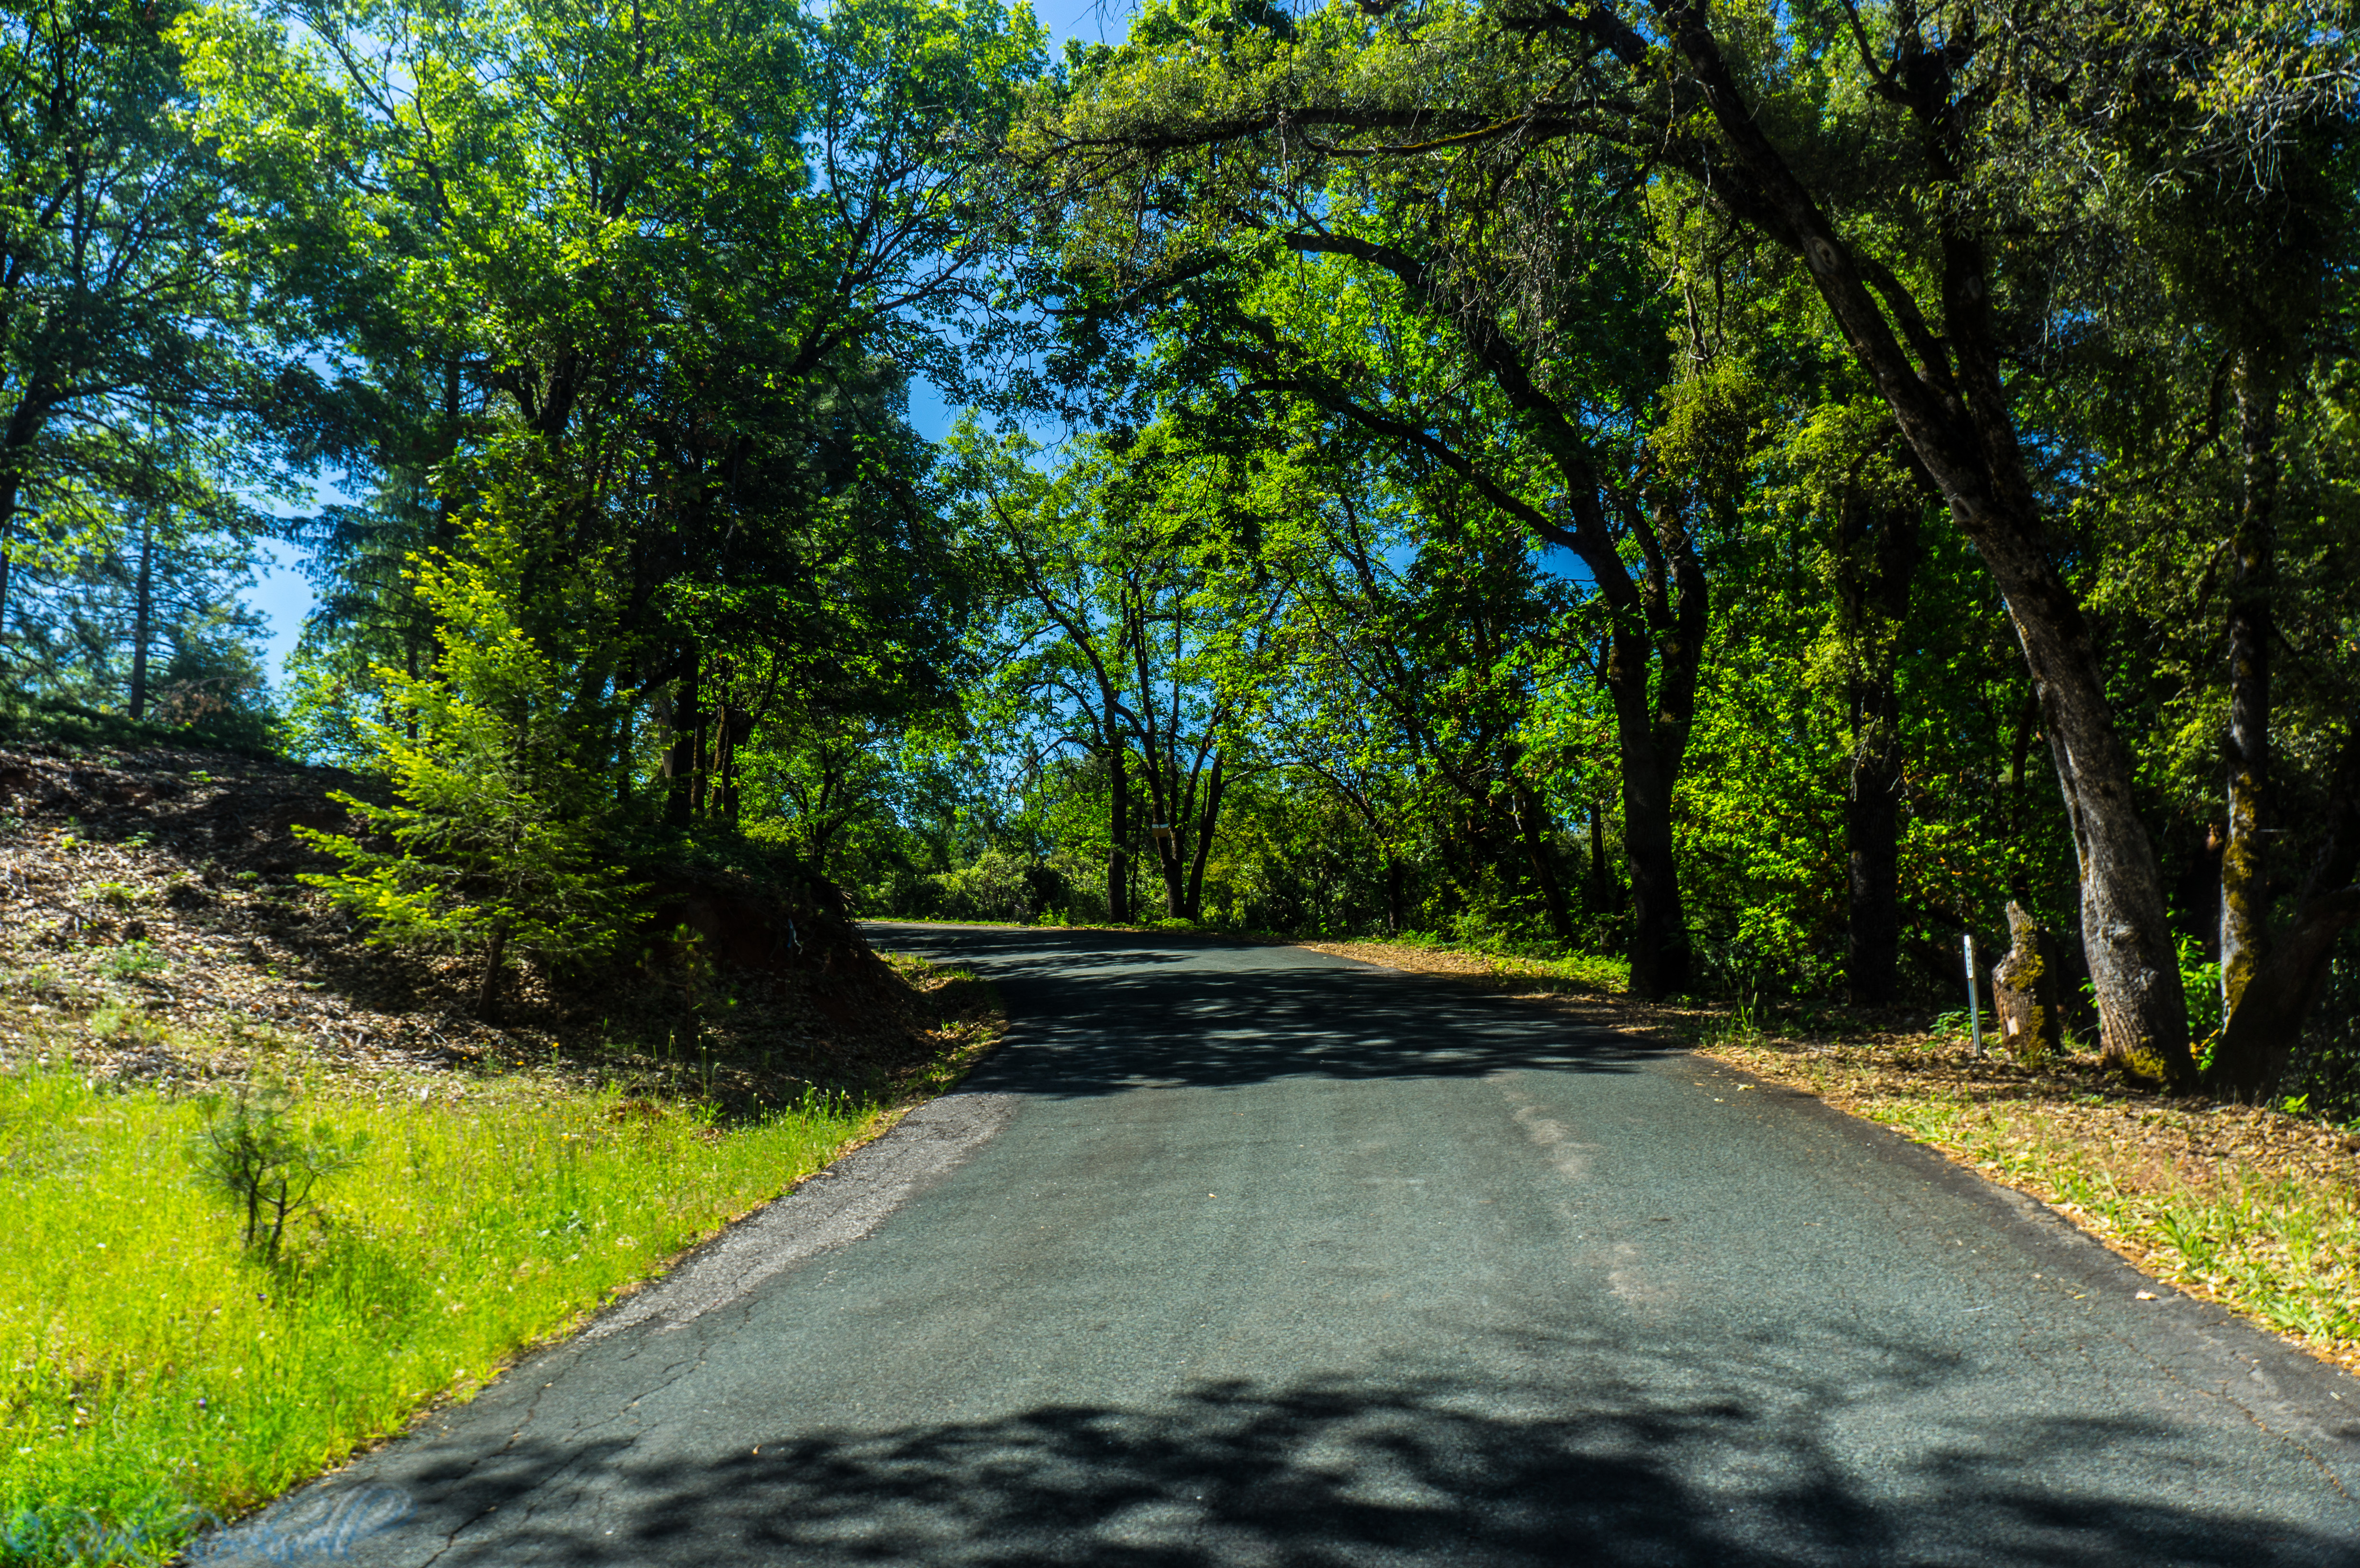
494 843
253 1153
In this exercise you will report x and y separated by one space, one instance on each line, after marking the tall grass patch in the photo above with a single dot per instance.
155 1371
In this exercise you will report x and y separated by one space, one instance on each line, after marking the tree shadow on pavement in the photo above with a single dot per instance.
1100 1012
1326 1474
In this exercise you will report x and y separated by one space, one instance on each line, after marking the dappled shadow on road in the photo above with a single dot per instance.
1408 1472
1097 1012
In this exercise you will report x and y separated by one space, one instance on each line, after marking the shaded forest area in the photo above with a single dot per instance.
1765 493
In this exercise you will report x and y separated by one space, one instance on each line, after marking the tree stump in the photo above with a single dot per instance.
2025 992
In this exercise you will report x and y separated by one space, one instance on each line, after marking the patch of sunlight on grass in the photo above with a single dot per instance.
152 1372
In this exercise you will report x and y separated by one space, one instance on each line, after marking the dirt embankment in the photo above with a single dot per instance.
154 928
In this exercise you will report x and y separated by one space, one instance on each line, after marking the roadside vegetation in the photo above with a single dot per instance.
1840 510
2251 1207
2256 1208
162 1366
161 1372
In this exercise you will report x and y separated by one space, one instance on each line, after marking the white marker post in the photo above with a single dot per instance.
1975 1001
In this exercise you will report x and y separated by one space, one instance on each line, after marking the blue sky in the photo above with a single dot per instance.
284 596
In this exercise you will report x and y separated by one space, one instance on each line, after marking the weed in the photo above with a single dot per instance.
133 961
114 895
120 1023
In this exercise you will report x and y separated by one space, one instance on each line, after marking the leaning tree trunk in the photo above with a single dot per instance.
1948 393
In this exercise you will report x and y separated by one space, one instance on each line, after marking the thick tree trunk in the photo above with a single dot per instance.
1659 932
2282 988
2027 995
2125 939
143 605
2245 876
1175 872
1396 914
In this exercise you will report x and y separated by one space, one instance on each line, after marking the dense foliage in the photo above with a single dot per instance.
1755 490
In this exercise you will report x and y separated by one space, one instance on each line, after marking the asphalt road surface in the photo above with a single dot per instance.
1248 1256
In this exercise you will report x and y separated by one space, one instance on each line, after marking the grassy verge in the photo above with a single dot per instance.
2245 1207
155 1374
2252 1209
1582 974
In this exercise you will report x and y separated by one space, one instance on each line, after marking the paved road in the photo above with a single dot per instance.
1250 1256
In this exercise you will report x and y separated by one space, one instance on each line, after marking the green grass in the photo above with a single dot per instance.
153 1375
1524 959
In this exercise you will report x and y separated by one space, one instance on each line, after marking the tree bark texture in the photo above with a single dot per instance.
2245 874
2278 995
2027 994
1951 403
